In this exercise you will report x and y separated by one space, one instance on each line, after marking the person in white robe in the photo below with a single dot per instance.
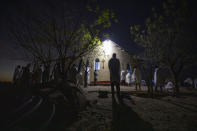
128 78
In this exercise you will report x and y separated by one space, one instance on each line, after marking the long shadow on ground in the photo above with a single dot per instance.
125 119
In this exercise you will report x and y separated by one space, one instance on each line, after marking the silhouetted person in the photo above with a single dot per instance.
39 70
73 74
195 83
57 73
16 77
45 76
85 77
155 78
26 76
95 77
123 77
86 74
35 74
114 68
136 77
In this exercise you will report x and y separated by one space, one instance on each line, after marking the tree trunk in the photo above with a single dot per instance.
176 85
150 90
85 79
63 75
151 87
193 84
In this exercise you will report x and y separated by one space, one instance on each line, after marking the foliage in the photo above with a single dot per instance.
168 37
63 31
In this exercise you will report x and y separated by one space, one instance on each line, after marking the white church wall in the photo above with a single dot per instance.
104 54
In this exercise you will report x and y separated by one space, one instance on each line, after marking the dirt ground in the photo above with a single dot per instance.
137 112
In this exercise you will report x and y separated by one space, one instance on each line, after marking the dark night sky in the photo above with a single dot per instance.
128 13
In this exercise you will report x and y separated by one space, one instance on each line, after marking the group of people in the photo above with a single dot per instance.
189 82
127 77
43 74
24 77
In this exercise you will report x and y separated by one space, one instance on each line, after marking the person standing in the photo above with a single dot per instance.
39 74
26 76
45 75
95 77
114 68
86 73
195 83
123 77
128 78
57 73
16 76
155 78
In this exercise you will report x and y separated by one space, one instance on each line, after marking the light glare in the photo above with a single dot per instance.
107 45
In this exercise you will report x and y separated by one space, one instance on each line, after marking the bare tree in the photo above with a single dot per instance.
63 32
168 38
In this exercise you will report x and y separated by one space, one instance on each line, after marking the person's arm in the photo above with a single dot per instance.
119 66
109 64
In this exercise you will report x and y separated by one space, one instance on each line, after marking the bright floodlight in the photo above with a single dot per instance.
107 47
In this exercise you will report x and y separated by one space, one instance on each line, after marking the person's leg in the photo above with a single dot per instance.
139 83
136 86
155 87
112 89
118 90
161 88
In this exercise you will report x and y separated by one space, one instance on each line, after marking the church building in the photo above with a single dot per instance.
98 60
